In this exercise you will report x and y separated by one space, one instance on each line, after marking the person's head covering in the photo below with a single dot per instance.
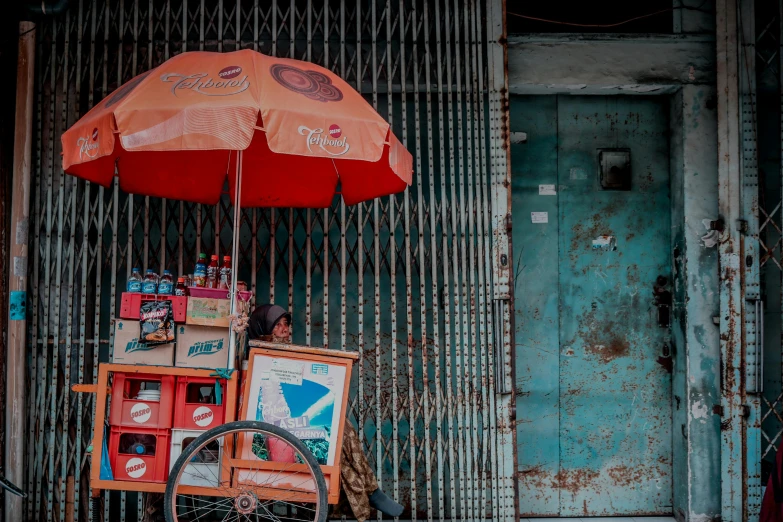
263 320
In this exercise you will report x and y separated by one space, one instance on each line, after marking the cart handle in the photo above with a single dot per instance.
88 388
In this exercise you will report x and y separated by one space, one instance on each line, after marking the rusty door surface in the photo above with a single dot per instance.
593 363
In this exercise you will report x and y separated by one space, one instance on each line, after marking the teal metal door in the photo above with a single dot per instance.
593 361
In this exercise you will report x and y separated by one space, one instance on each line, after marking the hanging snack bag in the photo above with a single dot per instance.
156 323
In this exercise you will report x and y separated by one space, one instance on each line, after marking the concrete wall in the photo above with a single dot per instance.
695 337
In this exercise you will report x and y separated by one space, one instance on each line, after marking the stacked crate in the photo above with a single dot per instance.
148 433
196 410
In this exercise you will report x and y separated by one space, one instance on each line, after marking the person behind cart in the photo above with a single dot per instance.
272 323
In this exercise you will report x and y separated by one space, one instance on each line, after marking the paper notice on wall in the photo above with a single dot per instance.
547 190
539 217
287 372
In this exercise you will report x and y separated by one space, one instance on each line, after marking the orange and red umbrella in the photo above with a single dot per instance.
296 129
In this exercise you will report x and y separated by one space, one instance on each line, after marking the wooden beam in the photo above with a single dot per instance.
16 412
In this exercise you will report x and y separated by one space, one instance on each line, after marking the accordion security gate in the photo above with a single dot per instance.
416 283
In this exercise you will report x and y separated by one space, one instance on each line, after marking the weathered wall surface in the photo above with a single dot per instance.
695 336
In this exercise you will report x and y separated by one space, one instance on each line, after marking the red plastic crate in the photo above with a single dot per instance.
129 412
189 415
135 467
131 303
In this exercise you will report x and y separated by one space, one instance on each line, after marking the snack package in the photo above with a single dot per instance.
156 323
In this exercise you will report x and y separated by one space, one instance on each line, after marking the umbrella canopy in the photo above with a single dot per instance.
176 131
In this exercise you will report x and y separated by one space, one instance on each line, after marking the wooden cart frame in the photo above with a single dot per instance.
232 406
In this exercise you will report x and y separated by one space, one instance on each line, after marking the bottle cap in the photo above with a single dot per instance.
167 272
226 258
214 256
150 271
202 254
180 280
137 269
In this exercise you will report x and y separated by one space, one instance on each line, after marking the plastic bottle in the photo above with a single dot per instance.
212 272
200 272
166 284
225 273
134 282
181 289
138 444
150 283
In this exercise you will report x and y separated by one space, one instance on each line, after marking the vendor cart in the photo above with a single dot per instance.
275 456
279 133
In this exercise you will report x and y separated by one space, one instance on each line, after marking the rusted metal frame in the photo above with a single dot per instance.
479 179
66 456
45 395
35 389
469 177
780 92
309 281
501 354
751 278
326 223
97 297
376 273
114 228
129 250
412 443
460 283
485 276
732 446
439 399
422 264
292 29
309 240
343 275
238 12
291 266
53 413
393 280
451 342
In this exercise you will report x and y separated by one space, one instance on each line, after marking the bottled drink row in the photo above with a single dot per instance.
205 275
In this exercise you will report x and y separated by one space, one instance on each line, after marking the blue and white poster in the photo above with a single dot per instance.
302 397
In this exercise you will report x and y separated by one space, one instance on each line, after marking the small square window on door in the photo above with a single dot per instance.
615 166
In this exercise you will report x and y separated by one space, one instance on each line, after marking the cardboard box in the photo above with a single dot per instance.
201 346
207 311
128 350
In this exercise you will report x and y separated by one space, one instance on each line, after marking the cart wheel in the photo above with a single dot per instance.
203 487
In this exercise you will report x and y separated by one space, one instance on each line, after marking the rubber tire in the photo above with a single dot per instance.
280 433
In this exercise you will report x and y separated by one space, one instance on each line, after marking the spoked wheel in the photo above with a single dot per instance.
274 478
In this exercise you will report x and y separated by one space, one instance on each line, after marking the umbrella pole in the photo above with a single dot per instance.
232 342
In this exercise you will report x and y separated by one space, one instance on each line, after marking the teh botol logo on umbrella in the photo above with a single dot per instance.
332 142
226 84
88 145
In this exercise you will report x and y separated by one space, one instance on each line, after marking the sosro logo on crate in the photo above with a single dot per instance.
205 348
140 412
203 416
135 467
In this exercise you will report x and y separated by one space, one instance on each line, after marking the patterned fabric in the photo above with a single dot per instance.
358 479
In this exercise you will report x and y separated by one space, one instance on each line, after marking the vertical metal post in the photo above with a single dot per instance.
729 197
16 359
749 260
